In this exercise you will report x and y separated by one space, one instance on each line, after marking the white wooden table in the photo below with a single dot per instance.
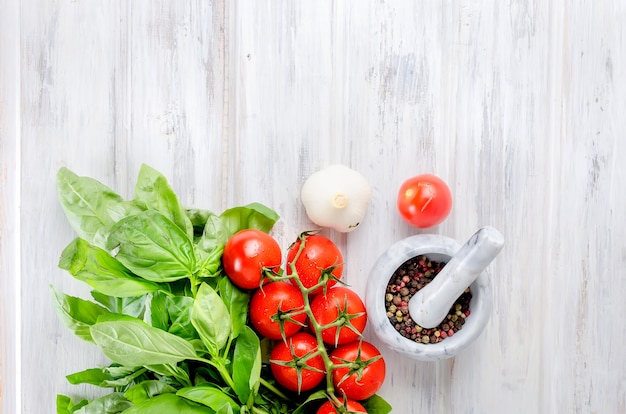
520 106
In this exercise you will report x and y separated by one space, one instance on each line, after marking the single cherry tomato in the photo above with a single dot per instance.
246 254
318 255
424 201
351 406
269 303
366 378
340 303
292 365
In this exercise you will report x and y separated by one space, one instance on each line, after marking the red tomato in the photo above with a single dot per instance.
340 303
286 359
319 254
265 305
246 254
362 382
424 201
352 406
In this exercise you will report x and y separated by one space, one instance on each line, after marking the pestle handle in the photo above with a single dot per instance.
430 305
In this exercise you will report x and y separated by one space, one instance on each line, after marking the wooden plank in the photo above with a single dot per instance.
71 113
175 97
10 389
584 283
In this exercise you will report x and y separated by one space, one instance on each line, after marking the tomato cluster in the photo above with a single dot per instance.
314 323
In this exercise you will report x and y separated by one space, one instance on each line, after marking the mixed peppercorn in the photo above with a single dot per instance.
407 280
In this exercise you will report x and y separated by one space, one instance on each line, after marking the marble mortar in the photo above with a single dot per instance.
438 248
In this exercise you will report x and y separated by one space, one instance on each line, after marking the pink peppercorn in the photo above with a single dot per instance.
450 332
443 334
467 312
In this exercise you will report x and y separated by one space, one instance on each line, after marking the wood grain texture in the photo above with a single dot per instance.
9 214
518 105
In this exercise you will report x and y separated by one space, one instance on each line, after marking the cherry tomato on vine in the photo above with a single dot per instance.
288 359
246 253
272 300
362 382
351 405
340 303
318 255
424 201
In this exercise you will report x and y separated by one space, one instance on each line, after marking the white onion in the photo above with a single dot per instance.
336 197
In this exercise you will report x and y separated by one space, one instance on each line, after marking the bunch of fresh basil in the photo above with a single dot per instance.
174 327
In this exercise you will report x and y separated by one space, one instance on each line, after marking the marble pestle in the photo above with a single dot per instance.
431 304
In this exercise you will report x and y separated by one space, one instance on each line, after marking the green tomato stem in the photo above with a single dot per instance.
328 364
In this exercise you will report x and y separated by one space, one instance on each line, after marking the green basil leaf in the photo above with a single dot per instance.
133 343
179 309
76 313
159 316
175 374
226 409
199 346
65 405
247 364
181 287
132 306
210 263
153 247
152 191
101 271
87 204
173 314
212 397
198 218
210 246
139 393
124 209
113 403
251 216
376 405
94 376
168 403
237 302
210 317
215 233
108 377
117 317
